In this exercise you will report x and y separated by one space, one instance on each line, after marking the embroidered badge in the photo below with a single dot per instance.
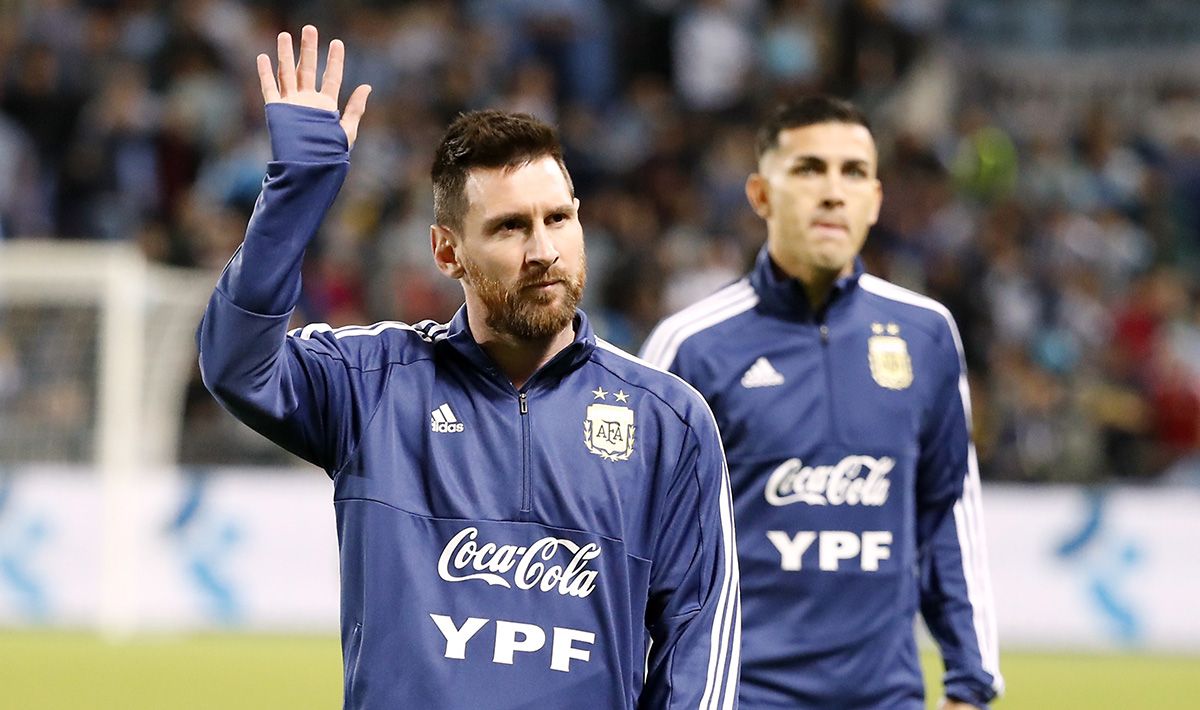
887 353
608 428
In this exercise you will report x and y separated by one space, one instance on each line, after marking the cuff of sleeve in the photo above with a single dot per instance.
967 694
300 134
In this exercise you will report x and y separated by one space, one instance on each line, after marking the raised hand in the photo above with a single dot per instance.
297 83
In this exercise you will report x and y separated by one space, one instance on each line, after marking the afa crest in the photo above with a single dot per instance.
888 355
608 429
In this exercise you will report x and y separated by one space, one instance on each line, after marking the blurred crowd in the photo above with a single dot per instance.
1066 249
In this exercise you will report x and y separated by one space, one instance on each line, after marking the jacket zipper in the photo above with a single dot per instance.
526 486
832 418
353 653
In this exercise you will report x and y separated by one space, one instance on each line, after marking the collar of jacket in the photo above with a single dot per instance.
460 339
784 296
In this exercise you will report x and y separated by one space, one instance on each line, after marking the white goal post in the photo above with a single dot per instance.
127 342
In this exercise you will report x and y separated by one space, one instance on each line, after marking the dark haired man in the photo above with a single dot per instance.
842 402
527 517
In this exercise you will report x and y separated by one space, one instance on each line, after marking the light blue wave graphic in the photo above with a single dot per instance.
206 540
1106 561
21 537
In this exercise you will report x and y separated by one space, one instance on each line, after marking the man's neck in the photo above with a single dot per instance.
518 358
817 283
817 286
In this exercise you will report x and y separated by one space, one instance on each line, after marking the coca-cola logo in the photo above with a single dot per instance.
537 566
855 480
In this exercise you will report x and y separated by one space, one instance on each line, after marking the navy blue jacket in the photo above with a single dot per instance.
567 545
856 493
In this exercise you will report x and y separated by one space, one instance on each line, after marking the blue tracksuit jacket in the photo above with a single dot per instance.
568 545
855 487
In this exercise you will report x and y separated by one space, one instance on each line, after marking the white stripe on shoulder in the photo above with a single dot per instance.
724 664
605 345
307 331
432 328
887 289
663 344
428 330
891 291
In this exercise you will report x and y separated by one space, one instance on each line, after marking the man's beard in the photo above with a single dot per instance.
528 315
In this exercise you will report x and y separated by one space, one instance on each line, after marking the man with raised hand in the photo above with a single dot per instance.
527 517
842 401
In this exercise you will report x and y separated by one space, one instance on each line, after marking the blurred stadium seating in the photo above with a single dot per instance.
1041 166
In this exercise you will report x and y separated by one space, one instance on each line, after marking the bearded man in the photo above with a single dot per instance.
527 516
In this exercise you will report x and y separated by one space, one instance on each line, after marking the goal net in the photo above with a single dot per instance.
96 347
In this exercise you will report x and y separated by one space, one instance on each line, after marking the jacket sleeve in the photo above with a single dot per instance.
287 388
694 610
956 594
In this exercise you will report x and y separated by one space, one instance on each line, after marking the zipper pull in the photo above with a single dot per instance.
524 403
824 333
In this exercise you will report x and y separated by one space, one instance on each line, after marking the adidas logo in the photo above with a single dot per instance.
761 374
444 421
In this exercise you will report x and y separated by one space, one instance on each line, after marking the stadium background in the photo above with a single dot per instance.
1041 167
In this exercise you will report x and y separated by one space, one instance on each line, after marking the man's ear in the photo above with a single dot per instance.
444 243
757 196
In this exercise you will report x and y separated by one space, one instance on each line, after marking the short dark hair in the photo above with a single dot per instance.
806 111
486 139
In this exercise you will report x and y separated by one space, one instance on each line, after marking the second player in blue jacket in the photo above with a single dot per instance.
856 493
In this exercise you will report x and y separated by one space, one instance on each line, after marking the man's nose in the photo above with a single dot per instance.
540 248
833 192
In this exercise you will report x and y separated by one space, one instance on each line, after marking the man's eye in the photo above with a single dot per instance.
804 169
856 172
558 217
510 225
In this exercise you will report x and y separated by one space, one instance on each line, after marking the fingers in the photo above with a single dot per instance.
266 79
287 64
297 82
355 106
331 82
357 103
306 72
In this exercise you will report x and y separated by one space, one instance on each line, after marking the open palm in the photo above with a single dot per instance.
297 83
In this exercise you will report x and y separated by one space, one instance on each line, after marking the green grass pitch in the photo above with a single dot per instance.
52 671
